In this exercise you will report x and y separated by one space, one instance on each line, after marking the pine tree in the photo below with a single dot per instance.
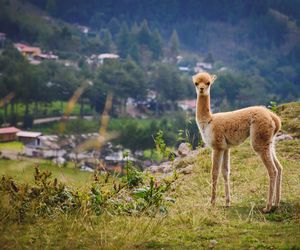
114 27
156 45
144 35
174 45
123 41
209 58
107 41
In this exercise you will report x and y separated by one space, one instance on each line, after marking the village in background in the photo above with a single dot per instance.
63 148
57 70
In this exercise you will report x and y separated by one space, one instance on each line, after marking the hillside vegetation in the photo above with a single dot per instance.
290 114
188 223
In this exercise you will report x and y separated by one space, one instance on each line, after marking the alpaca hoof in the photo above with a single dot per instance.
227 205
267 210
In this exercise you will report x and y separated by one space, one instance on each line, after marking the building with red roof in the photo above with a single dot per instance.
8 134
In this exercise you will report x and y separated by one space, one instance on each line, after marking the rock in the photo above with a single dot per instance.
212 243
283 137
184 149
186 170
165 167
155 169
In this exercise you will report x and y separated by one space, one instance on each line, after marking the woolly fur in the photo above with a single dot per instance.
222 131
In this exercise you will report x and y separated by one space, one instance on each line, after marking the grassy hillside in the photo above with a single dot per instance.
290 115
190 223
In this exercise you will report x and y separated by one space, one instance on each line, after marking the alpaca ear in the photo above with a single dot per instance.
213 78
194 77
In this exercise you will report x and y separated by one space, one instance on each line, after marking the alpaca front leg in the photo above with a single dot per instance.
226 173
217 156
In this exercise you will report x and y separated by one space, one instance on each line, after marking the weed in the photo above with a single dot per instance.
47 196
162 148
133 176
273 106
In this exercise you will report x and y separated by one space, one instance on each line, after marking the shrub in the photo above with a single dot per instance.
128 195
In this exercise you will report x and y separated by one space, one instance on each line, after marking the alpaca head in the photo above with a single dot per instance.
203 82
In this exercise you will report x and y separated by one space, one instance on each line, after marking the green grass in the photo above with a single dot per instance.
23 170
191 222
12 146
56 108
77 126
290 116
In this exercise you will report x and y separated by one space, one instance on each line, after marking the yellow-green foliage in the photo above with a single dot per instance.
191 222
12 146
290 116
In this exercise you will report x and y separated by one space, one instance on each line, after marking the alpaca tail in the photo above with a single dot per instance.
277 122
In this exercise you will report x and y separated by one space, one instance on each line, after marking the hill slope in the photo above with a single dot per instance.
191 222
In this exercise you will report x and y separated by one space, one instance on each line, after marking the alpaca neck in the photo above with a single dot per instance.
203 113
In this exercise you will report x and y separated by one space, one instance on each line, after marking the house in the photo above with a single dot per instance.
106 56
8 134
202 66
46 56
187 105
29 137
184 69
44 146
34 54
28 50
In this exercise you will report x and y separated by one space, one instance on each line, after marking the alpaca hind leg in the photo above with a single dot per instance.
217 156
267 158
226 174
279 177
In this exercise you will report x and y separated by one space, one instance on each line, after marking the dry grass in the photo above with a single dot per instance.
191 222
290 115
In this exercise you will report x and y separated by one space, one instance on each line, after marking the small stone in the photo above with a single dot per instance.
283 137
212 243
186 170
184 149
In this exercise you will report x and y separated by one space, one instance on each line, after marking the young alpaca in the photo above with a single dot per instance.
221 131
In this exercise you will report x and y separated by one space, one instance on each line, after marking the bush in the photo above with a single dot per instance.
133 194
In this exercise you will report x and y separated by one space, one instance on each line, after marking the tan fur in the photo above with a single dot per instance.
221 131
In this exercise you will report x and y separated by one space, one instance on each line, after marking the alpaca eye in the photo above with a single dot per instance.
196 83
208 83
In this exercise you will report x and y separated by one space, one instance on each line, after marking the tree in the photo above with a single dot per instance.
114 26
168 83
51 7
174 45
125 79
144 34
209 58
97 20
107 43
123 41
156 45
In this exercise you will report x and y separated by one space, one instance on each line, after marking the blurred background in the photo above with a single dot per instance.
62 59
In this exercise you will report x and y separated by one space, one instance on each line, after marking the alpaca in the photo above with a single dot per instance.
222 131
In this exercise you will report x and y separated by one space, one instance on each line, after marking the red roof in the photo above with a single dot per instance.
9 130
25 48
